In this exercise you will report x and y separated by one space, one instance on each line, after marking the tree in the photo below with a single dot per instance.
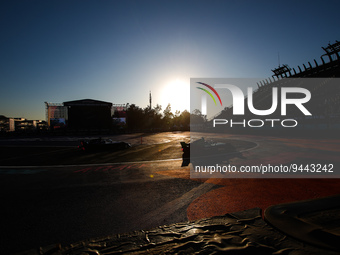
167 112
153 120
158 108
135 117
197 118
157 118
167 118
185 120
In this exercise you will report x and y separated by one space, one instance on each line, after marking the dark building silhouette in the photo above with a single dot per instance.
89 114
326 68
325 101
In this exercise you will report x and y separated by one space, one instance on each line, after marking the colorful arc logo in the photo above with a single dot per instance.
212 89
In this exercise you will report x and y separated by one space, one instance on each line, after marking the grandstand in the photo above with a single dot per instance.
325 102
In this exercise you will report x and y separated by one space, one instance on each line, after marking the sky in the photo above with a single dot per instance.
119 51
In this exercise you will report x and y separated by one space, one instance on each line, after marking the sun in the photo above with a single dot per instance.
177 93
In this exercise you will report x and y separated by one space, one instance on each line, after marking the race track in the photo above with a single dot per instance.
53 194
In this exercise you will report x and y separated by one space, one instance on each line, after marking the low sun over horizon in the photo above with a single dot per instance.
176 93
118 51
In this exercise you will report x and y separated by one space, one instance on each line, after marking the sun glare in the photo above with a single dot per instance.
177 93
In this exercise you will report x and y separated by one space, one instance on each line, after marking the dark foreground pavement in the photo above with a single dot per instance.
242 232
85 196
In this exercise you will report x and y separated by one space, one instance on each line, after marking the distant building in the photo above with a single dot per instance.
88 114
85 114
20 124
56 115
119 114
6 124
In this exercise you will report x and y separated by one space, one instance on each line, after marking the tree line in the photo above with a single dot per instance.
152 119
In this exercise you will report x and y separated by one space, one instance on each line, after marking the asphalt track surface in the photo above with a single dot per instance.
52 193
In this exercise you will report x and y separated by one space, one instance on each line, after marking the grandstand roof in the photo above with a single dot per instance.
87 102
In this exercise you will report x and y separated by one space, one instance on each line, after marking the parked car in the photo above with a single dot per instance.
102 144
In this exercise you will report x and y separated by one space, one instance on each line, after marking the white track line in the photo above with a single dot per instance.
120 163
